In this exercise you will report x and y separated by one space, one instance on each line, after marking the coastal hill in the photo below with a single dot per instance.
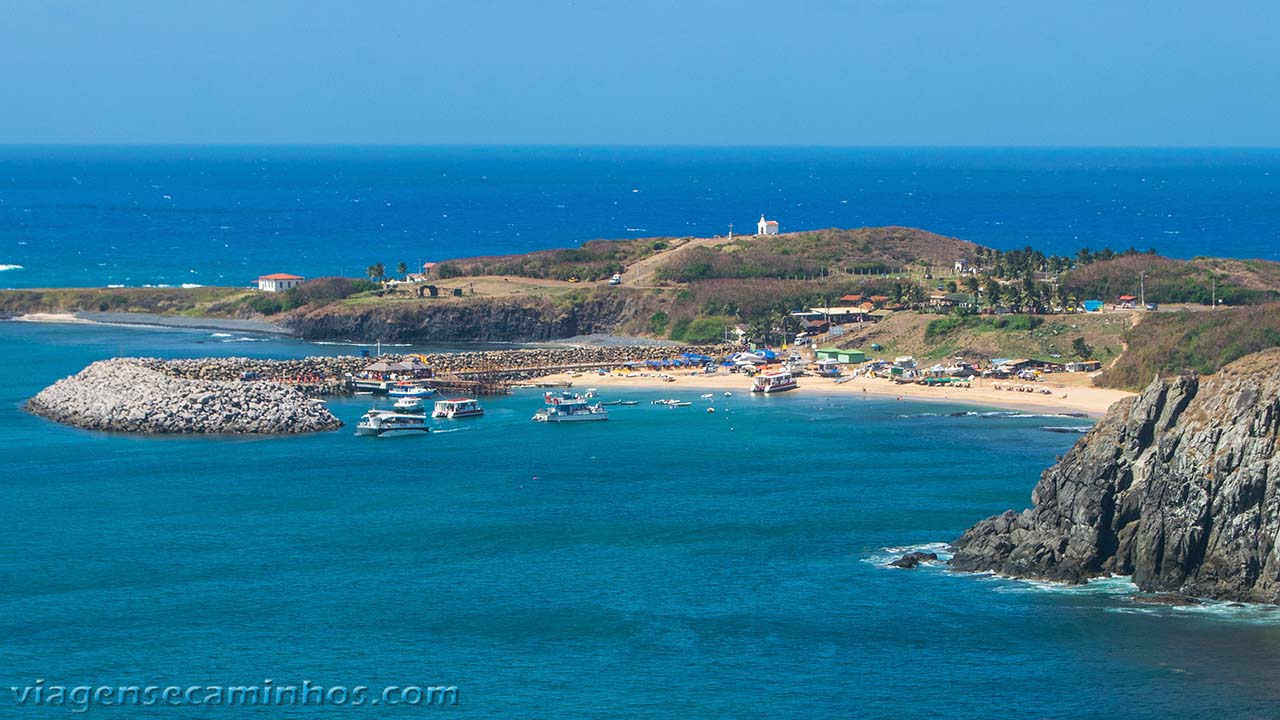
701 290
1175 487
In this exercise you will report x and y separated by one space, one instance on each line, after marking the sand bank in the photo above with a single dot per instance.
1090 401
153 320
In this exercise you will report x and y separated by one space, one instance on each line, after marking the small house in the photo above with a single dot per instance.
766 227
1127 301
279 282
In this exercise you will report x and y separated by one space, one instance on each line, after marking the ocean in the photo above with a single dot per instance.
95 216
667 563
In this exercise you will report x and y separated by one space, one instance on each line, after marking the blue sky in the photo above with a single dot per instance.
823 72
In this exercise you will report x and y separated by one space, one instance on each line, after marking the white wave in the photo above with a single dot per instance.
246 339
10 267
188 286
1066 428
885 556
221 335
348 343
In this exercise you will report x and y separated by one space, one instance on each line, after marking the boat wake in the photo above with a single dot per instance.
10 267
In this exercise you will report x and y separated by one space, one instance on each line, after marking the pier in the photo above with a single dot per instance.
478 373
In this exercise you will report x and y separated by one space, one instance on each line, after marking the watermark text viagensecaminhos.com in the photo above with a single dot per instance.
268 693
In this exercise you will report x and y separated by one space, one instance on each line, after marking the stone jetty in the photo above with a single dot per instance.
140 396
321 376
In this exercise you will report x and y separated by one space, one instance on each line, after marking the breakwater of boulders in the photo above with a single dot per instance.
264 396
325 375
137 396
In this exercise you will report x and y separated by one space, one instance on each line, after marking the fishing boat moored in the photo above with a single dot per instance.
773 382
410 390
408 405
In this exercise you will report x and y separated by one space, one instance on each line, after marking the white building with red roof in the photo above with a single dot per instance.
279 282
766 227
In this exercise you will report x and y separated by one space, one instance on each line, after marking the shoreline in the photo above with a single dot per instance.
151 320
1090 402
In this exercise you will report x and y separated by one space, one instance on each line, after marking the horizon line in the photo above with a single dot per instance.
622 145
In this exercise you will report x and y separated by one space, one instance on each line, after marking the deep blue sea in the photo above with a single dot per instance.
93 216
665 564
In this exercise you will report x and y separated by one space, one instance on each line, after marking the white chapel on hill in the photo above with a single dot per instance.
766 227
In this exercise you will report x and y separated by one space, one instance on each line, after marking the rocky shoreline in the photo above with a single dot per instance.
136 396
1178 487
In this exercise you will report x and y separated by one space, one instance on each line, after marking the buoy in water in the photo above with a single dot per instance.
711 410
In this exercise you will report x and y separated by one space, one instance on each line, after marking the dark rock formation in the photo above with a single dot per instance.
912 559
1178 487
135 395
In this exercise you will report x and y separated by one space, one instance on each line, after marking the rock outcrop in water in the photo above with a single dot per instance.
139 396
1178 487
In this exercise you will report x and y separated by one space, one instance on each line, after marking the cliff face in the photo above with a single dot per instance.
1178 487
471 320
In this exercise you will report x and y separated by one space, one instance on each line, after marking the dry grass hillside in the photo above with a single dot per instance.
934 337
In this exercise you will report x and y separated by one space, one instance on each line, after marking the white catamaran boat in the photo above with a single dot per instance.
457 408
385 422
569 407
773 382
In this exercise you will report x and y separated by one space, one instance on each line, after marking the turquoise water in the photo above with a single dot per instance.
667 563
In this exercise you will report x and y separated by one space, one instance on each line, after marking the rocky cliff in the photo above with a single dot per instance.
1178 487
138 395
470 320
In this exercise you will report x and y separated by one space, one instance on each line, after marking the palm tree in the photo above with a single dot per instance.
402 270
376 271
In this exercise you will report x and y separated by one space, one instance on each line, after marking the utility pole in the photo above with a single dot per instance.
1213 293
1142 288
731 231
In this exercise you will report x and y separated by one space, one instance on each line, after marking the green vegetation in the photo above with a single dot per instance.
594 260
658 323
160 301
1200 342
823 253
1199 281
701 330
939 329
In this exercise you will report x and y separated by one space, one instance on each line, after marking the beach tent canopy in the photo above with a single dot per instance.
413 363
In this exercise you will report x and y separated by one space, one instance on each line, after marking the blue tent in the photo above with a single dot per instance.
1093 305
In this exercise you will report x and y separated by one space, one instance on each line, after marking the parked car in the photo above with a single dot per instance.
1152 306
616 279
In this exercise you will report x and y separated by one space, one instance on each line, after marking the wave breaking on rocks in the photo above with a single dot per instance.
1178 487
137 395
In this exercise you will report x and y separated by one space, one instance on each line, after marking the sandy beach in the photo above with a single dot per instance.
153 320
1076 397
